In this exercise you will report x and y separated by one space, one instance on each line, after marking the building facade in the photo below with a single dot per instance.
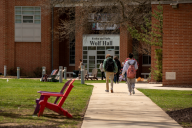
177 43
27 41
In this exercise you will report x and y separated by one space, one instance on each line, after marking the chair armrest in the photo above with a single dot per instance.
52 94
46 92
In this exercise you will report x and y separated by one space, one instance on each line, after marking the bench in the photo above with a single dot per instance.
70 73
145 74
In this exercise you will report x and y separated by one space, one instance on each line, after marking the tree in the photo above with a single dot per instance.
152 34
117 12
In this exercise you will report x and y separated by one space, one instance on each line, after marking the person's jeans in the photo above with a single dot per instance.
109 75
125 76
116 77
130 84
102 75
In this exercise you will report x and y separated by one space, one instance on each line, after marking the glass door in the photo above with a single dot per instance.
91 60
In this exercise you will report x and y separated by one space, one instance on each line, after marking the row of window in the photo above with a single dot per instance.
28 15
101 48
27 24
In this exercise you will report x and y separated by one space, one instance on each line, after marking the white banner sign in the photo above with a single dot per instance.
101 40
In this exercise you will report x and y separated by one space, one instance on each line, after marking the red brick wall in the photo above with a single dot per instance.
78 36
45 37
10 25
56 40
177 44
2 35
24 51
9 53
125 43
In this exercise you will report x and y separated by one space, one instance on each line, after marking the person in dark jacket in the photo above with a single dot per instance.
118 63
110 69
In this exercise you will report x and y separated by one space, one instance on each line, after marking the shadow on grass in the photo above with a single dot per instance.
51 118
29 126
35 117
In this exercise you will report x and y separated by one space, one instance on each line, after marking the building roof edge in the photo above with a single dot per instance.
169 2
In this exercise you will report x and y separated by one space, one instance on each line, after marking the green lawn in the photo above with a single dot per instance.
17 103
177 104
169 99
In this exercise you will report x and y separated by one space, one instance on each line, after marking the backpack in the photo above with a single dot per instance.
109 66
131 72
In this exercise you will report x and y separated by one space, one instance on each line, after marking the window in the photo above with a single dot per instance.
27 19
146 60
72 53
72 49
27 24
27 15
101 21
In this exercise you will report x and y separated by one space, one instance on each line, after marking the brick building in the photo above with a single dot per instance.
26 41
177 42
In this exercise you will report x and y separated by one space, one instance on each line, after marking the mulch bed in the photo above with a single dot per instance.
183 115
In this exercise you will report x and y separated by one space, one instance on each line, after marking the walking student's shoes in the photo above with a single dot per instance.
111 90
106 90
133 91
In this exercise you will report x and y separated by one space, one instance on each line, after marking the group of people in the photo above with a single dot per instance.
111 68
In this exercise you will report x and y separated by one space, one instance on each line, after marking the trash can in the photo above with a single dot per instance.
75 73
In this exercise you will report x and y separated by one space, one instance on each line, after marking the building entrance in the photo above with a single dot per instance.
91 60
96 47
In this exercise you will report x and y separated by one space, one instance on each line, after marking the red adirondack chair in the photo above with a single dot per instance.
56 107
42 97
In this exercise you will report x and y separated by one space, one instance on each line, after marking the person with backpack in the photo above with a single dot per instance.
110 68
126 72
118 63
130 68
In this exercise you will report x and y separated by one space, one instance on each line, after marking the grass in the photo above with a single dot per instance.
171 100
17 103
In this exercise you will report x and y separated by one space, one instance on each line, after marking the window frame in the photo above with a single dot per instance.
148 64
29 29
70 50
21 14
27 19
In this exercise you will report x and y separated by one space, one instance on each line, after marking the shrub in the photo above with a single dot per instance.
37 72
12 72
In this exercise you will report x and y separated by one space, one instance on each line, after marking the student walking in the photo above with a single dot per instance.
110 68
130 67
123 66
116 77
102 70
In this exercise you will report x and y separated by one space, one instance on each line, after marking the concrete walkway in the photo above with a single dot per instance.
119 110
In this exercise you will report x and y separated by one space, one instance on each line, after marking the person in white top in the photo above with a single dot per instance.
130 82
80 63
102 70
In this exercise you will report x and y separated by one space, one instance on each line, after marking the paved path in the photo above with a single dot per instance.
158 86
119 110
